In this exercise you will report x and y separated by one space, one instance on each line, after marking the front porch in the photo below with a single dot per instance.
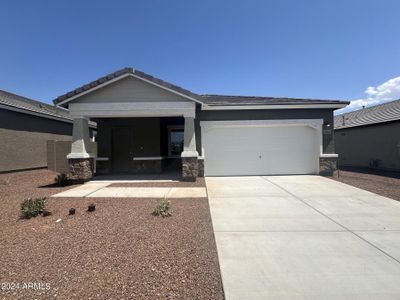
140 145
131 143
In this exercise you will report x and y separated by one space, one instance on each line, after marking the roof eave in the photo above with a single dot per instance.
276 106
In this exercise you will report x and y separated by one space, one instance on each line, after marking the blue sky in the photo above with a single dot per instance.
306 49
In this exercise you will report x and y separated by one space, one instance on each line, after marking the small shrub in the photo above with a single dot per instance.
163 208
32 207
61 179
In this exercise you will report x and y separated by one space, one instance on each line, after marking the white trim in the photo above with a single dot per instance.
329 155
289 106
80 155
190 153
149 158
122 77
133 109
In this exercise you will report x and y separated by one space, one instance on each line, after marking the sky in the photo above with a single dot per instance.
336 49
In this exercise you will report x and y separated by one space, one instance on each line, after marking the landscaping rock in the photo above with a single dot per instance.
46 213
91 208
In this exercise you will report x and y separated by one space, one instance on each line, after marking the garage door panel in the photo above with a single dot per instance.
260 150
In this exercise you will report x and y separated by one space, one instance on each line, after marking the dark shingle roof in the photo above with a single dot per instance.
386 112
32 106
17 101
121 72
219 100
211 100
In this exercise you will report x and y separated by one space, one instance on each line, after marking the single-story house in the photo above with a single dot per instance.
145 123
25 127
369 137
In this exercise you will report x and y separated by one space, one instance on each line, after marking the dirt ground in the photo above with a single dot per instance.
120 251
383 183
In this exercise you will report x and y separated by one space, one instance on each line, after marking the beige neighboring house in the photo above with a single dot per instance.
369 137
26 126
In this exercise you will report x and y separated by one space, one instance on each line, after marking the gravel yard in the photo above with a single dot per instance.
379 182
120 251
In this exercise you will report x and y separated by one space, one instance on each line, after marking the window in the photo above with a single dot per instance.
175 139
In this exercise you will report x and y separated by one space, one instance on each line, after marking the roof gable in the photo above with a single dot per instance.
120 75
129 89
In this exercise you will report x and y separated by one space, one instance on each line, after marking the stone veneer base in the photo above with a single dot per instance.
81 169
327 166
190 168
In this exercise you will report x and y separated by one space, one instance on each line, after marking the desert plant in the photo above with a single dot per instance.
32 207
163 208
61 179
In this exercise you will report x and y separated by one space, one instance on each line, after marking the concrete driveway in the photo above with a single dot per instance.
304 237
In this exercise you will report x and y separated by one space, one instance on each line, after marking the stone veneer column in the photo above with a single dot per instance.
80 160
189 155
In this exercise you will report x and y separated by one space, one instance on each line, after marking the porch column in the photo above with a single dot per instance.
189 155
80 160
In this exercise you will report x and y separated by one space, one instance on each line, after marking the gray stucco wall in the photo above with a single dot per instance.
271 114
23 139
358 146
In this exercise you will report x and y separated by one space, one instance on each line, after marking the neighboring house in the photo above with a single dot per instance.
370 137
145 123
25 127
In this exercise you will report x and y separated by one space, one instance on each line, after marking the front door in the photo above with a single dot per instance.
122 149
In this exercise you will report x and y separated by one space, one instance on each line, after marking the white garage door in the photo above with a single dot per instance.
272 149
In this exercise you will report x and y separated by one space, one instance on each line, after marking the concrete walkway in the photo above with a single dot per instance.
101 190
304 237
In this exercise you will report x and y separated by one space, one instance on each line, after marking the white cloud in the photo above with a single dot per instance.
387 91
